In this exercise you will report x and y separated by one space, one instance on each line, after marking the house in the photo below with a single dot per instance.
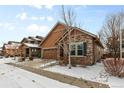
30 47
113 43
85 47
1 51
11 49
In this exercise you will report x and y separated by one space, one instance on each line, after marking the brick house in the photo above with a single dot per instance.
85 47
30 47
11 49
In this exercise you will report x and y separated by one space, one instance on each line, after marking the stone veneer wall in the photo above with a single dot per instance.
82 37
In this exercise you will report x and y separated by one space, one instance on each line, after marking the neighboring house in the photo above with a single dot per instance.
85 47
1 51
30 47
110 43
11 49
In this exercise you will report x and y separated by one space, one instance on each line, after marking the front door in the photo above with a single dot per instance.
27 52
61 53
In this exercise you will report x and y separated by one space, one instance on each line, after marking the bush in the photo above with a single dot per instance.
21 59
115 68
30 58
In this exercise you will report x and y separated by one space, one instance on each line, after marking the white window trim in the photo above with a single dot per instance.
76 43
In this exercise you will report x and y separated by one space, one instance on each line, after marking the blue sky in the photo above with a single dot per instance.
17 22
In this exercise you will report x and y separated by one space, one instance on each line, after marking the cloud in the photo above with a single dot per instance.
1 24
7 26
84 6
49 18
11 28
22 16
34 18
41 6
32 28
80 6
37 6
42 18
37 29
49 6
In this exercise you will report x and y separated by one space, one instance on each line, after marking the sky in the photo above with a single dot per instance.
19 21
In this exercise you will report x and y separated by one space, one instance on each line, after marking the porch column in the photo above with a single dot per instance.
24 52
41 53
30 52
58 53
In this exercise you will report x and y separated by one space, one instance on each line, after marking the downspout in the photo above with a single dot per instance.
94 54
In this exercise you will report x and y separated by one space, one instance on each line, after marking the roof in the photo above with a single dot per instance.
10 42
56 32
54 36
11 46
37 39
30 38
98 42
31 45
86 32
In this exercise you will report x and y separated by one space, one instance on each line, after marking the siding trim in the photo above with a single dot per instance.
49 48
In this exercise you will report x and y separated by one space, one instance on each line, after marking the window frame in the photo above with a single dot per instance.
76 49
73 50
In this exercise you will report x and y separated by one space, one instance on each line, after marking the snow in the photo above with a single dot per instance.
37 39
31 45
94 73
13 77
48 64
12 46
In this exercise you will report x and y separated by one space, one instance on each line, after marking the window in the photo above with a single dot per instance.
73 49
32 42
122 44
78 49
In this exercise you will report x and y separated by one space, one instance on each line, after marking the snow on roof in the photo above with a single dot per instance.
32 45
37 39
12 46
29 39
9 46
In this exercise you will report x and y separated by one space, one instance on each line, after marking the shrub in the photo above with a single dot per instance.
31 58
114 67
20 59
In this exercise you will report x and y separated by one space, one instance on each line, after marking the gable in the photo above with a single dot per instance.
53 36
75 35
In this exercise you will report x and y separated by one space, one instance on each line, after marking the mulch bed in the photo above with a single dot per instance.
82 83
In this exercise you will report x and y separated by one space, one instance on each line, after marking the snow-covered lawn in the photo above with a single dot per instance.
14 77
93 73
48 64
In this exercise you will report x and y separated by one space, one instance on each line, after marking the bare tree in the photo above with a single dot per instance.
110 33
68 16
110 36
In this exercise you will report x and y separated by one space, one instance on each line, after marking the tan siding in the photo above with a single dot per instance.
53 37
49 53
